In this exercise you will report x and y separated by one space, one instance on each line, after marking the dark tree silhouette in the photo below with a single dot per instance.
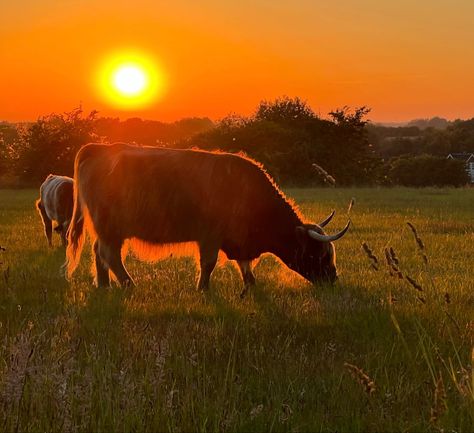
50 144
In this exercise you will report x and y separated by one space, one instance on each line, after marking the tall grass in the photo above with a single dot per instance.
364 355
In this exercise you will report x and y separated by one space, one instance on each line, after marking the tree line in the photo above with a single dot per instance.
296 146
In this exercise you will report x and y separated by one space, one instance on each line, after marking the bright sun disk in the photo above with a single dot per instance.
130 81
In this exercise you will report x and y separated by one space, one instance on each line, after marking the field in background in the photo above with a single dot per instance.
373 353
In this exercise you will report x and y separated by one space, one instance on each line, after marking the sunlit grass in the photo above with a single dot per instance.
165 357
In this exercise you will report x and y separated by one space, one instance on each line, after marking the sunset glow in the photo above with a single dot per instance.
403 59
130 81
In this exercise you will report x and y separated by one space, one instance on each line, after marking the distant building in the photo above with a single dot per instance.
468 159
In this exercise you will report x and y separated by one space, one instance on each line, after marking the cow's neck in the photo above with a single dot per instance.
284 242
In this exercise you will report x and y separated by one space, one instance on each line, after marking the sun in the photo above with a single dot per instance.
130 80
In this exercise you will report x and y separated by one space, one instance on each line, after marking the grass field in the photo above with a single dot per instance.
372 353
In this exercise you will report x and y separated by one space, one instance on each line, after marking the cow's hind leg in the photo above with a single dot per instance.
61 229
247 275
65 227
207 260
102 271
110 254
47 223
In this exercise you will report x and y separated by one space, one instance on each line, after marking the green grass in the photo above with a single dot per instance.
167 358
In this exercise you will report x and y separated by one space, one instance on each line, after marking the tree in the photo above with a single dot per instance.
288 139
427 170
50 144
284 109
8 137
353 158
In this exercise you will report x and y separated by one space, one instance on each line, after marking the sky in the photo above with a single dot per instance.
404 59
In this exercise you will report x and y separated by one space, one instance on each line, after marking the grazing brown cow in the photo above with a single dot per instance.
219 201
56 203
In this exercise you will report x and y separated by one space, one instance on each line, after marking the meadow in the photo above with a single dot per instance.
389 347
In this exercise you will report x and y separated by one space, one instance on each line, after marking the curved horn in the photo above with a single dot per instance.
327 220
329 238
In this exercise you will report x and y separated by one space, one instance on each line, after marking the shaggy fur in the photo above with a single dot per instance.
157 198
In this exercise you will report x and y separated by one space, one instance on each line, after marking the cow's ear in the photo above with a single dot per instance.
301 235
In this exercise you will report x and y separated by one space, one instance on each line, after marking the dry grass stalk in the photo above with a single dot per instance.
447 298
257 410
439 403
419 242
371 256
393 256
161 352
417 287
325 176
351 205
361 377
393 268
285 413
414 283
14 376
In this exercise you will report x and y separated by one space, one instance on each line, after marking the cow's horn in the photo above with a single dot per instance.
327 220
329 238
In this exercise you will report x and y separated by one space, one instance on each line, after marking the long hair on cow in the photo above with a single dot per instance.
75 235
160 201
82 225
76 232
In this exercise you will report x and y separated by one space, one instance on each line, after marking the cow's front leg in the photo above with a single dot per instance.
207 260
47 223
245 267
102 271
110 254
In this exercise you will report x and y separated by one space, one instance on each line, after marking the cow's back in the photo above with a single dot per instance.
56 195
168 195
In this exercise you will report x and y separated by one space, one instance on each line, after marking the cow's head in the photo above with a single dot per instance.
315 254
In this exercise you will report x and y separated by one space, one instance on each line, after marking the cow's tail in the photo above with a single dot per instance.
75 233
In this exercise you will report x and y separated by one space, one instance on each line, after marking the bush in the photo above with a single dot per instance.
426 170
289 139
50 144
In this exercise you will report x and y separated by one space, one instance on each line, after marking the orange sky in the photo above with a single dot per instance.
405 59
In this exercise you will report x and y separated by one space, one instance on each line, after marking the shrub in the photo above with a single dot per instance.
426 170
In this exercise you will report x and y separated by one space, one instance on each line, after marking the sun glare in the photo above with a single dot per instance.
131 81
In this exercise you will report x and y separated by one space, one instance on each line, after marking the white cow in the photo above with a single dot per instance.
56 203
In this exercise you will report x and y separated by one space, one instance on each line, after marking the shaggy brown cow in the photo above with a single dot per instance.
56 203
219 201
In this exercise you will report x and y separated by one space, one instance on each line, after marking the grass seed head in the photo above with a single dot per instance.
439 402
361 377
325 176
393 268
351 205
419 242
393 256
285 413
257 410
414 283
370 255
